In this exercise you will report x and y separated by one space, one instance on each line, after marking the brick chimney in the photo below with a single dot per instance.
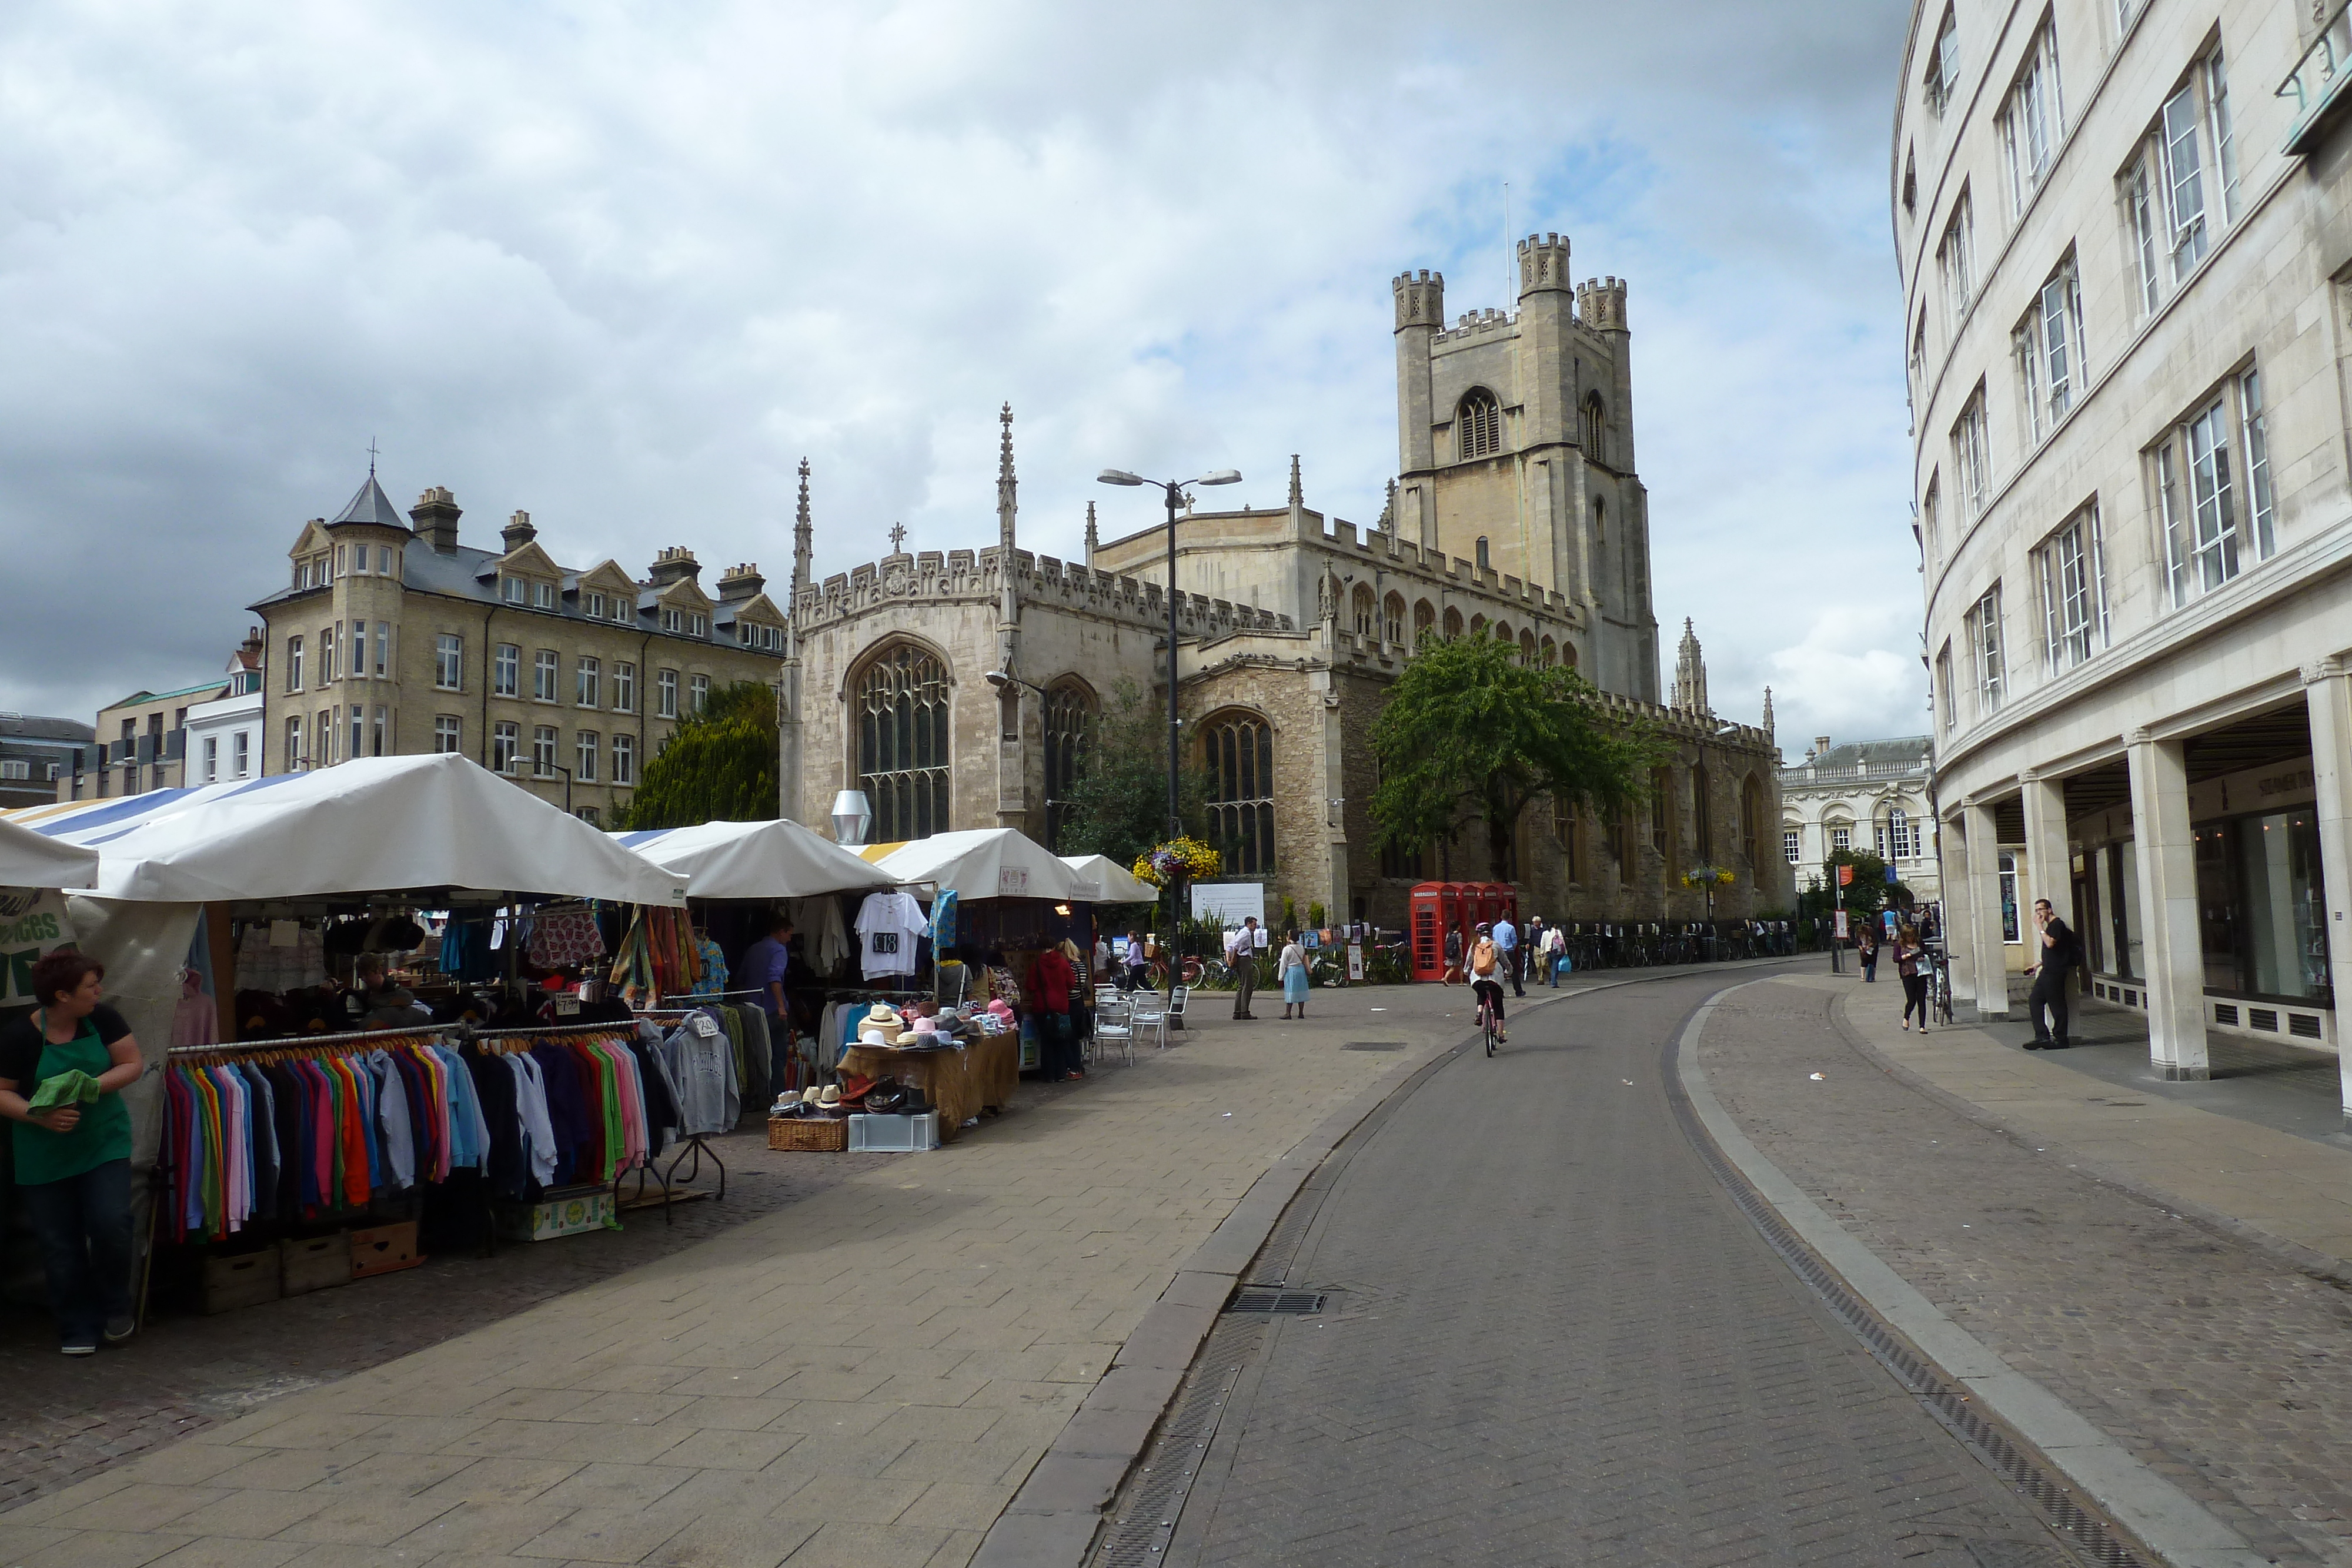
1821 746
435 516
518 532
739 582
672 564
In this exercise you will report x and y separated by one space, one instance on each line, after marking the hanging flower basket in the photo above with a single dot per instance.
1709 876
1188 856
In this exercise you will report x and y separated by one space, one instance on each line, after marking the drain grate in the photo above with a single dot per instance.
1267 1301
1951 1409
1143 1519
1373 1045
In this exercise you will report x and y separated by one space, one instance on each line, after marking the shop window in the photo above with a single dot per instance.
901 702
625 759
505 671
1069 722
2259 890
1238 752
447 734
2009 927
506 745
624 688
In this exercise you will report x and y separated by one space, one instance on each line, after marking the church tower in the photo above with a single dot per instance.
1514 449
1690 677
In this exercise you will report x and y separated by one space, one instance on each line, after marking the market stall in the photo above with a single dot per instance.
1112 881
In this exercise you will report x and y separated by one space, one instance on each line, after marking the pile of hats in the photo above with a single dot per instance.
882 1025
997 1019
811 1102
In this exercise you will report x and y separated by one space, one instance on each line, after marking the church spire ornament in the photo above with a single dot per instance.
1007 508
804 537
1094 538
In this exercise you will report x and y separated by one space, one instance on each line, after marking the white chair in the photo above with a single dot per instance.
1114 1025
1148 1015
1176 1006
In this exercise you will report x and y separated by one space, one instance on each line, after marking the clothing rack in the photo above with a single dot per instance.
496 1040
312 1041
694 1144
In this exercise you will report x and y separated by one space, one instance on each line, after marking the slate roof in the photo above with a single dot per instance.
34 727
370 505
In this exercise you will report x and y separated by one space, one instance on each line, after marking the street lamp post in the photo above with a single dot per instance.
1172 491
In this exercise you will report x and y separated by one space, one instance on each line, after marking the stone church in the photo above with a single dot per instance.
1518 510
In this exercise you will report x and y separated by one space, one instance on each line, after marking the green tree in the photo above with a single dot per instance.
1865 895
1118 805
719 765
1472 735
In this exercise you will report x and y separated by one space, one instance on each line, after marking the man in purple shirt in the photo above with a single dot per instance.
765 964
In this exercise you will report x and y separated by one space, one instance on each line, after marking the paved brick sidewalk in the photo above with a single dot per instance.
864 1378
1553 1339
2216 1363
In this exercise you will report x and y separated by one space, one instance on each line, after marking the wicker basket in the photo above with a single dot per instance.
823 1135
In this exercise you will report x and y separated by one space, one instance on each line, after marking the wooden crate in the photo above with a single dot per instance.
823 1135
384 1249
314 1263
240 1280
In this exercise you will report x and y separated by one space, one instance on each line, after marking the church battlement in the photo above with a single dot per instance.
1543 263
1601 304
978 577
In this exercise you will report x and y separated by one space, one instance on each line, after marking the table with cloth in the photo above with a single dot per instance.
957 1084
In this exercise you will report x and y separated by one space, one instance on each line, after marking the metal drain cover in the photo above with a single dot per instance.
1373 1045
1272 1301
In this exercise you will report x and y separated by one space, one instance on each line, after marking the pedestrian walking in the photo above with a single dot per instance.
1452 956
1241 954
1911 965
63 1067
1291 970
1866 947
2061 951
1132 972
1555 949
1506 943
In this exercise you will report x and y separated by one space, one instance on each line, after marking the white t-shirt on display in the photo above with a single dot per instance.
888 926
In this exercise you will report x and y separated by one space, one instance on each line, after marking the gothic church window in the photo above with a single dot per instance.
1238 752
900 701
1392 619
1069 720
1502 633
1526 648
1454 622
1751 827
1477 426
1425 622
1551 652
1703 813
1596 426
1367 615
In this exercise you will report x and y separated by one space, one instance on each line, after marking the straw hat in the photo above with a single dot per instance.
830 1098
883 1013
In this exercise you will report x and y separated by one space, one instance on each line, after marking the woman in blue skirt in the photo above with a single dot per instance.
1292 966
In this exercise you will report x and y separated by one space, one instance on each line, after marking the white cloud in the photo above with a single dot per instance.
623 265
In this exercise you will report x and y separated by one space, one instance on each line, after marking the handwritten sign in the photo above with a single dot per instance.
33 924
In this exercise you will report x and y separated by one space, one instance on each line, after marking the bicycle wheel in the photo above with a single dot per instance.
1486 1025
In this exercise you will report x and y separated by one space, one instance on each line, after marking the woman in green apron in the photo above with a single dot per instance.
63 1069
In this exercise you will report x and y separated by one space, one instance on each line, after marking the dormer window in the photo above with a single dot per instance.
698 625
595 607
673 620
1477 426
543 596
514 590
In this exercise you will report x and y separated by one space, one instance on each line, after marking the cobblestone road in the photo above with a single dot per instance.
1553 1340
2217 1366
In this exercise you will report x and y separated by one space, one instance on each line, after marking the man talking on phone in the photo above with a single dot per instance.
2061 951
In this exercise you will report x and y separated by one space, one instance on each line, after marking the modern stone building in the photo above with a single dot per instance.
37 757
1518 513
392 638
1868 796
2125 249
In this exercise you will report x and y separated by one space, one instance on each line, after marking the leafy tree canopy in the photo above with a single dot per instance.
719 765
1119 804
1472 735
1866 894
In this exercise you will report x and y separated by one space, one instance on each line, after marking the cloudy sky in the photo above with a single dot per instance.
623 265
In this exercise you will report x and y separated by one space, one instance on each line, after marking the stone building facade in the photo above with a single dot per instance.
1867 796
1291 625
2127 306
392 638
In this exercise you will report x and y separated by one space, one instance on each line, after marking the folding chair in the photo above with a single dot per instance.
1148 1015
1176 1006
1114 1025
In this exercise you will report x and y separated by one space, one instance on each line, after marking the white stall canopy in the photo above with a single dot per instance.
776 859
375 824
1113 882
29 860
982 863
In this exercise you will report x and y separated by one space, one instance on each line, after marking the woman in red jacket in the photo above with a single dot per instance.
1050 982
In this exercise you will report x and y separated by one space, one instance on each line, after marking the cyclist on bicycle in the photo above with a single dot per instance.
1487 975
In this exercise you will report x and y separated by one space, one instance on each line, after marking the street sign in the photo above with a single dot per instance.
1841 924
1846 878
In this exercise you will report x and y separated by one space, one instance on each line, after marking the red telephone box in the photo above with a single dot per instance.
1437 908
